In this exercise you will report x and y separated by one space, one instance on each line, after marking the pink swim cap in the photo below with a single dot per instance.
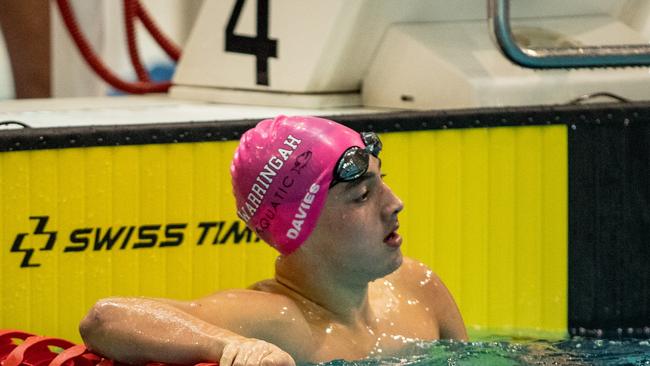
281 174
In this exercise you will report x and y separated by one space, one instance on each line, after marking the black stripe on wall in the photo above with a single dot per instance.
609 228
161 133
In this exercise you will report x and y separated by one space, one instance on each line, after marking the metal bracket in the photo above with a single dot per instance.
565 57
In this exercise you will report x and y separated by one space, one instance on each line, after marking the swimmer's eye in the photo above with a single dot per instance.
364 196
382 176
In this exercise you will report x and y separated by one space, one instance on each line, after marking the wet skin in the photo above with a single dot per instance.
347 293
398 313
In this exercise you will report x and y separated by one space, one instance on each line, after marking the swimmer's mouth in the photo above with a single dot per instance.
393 239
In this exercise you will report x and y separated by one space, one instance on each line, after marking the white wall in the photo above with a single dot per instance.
102 21
636 14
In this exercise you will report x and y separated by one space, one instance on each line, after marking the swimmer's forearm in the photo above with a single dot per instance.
137 331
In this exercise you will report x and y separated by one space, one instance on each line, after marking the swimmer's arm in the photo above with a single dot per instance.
255 314
138 330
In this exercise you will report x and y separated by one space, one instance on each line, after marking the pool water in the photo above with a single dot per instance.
575 351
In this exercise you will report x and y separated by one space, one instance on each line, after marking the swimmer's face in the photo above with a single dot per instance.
357 228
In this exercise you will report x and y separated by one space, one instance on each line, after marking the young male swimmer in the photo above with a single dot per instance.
313 189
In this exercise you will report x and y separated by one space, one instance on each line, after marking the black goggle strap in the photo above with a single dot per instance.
372 142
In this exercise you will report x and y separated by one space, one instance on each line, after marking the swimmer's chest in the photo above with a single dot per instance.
398 322
341 343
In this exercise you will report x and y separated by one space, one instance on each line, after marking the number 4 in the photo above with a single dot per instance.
261 46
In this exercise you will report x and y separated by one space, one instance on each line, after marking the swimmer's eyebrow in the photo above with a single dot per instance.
365 177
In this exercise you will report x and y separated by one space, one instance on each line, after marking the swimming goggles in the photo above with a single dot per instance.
355 160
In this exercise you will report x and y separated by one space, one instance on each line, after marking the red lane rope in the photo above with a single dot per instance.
37 350
97 65
130 10
172 50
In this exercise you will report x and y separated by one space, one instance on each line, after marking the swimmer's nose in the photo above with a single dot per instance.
399 205
395 205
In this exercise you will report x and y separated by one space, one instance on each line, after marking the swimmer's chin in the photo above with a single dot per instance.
399 260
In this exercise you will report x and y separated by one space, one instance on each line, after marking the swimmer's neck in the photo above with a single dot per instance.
346 299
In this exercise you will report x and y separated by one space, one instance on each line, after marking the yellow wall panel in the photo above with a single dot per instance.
474 285
501 234
180 188
555 229
16 285
98 213
72 277
528 183
232 259
205 274
43 194
126 213
99 200
447 227
152 264
485 208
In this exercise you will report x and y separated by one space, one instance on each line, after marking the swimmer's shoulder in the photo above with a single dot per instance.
421 281
261 302
258 312
285 322
278 300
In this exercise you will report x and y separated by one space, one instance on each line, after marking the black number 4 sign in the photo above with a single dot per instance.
261 46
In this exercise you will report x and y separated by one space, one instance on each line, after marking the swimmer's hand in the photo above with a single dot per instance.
243 351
